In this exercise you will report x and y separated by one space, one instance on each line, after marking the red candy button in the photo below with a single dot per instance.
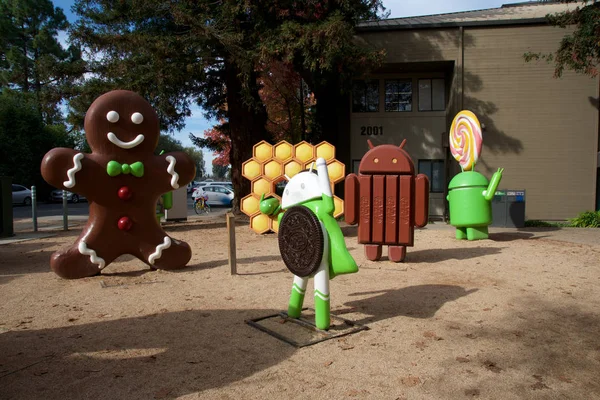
125 224
125 193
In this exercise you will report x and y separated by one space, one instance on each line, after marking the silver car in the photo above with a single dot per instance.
21 195
217 195
74 198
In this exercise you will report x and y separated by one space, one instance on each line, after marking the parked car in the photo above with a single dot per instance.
21 195
217 195
192 186
74 198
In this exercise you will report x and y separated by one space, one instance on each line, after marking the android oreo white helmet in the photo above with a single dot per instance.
301 187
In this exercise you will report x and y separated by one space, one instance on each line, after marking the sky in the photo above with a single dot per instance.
197 124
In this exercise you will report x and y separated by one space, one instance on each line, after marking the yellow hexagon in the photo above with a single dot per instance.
283 151
261 186
262 151
260 223
251 169
250 204
339 207
274 224
336 170
291 168
325 150
273 170
304 152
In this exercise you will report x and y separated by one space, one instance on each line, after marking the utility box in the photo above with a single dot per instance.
179 208
6 211
508 208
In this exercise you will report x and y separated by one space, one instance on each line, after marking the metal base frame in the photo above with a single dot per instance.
307 324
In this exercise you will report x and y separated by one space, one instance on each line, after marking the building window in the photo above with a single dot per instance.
432 95
365 96
434 169
398 95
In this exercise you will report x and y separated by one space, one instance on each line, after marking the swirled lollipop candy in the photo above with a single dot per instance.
466 139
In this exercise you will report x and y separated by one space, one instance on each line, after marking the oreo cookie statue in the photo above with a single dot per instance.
310 240
122 180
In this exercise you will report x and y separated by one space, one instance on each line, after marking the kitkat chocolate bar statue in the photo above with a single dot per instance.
387 201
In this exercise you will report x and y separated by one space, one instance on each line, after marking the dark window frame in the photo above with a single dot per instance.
398 94
364 106
431 109
431 162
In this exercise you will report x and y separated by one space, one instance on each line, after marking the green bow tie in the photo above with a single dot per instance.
114 168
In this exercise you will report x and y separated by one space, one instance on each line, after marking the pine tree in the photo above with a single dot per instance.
31 58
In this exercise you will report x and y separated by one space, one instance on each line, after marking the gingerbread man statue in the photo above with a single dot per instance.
122 180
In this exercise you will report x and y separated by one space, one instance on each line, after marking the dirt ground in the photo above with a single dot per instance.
513 317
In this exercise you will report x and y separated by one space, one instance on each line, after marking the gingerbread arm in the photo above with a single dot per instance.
173 170
351 199
421 200
69 169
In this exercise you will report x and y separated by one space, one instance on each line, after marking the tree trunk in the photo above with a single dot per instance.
247 127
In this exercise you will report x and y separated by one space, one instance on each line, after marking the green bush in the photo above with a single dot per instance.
587 219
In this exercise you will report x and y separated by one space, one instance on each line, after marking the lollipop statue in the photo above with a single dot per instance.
469 192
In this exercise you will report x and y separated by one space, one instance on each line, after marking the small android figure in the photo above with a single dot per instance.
387 201
469 194
310 239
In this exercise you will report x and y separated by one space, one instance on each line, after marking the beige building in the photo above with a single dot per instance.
543 131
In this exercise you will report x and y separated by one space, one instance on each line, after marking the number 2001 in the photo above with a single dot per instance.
371 130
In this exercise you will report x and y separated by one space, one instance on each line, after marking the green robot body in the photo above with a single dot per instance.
469 196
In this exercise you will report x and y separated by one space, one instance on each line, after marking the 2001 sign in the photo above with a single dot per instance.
371 130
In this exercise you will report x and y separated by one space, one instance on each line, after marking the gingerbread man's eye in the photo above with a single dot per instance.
112 116
376 160
137 118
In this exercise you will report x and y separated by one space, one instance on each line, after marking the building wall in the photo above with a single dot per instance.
543 131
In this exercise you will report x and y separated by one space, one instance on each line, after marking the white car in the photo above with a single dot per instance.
217 195
21 195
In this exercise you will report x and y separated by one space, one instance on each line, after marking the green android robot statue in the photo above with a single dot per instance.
309 195
470 196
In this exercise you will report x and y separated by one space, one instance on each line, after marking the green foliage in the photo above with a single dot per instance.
25 139
220 172
578 51
587 219
32 59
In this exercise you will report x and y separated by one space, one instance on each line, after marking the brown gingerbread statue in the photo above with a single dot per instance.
122 180
386 200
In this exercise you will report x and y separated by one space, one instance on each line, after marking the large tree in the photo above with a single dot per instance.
175 54
25 139
579 50
32 60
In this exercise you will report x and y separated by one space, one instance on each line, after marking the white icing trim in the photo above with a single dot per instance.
83 249
125 145
159 249
71 172
171 170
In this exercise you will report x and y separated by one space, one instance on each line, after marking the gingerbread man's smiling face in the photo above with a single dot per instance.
121 123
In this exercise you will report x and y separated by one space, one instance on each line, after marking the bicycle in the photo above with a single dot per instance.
201 206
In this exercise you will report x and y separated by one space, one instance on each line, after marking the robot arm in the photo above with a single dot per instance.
421 200
351 199
494 182
325 185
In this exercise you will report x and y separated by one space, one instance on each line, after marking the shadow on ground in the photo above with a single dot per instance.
421 301
182 352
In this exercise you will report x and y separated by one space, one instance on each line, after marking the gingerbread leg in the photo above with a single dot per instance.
166 253
373 251
396 253
79 261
